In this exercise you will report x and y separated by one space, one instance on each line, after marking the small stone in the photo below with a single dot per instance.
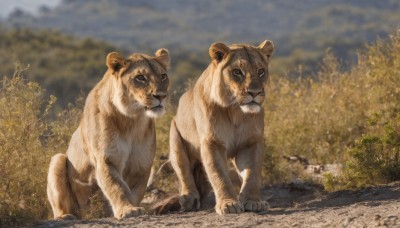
347 221
390 221
377 219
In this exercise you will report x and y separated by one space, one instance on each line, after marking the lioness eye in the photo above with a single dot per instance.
261 73
164 77
140 78
237 72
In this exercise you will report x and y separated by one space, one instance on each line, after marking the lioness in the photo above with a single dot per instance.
114 145
221 118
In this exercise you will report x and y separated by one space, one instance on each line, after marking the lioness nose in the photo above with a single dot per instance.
254 92
159 96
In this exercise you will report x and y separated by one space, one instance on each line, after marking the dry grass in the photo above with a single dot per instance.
322 118
28 138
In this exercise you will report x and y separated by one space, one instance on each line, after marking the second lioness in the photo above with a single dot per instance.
221 118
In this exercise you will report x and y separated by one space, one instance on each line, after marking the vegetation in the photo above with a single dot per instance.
68 66
375 159
62 64
27 141
327 119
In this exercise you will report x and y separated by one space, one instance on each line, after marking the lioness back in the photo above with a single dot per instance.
114 146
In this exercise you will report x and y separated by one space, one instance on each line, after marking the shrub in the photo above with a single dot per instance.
321 117
374 159
28 139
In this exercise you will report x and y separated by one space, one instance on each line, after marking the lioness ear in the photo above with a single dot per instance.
266 48
162 56
115 61
218 51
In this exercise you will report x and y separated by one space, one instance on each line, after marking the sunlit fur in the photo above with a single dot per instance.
114 146
228 92
131 98
221 119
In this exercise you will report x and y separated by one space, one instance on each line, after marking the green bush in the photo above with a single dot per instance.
374 159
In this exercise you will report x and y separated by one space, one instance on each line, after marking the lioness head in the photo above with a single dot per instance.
140 82
240 73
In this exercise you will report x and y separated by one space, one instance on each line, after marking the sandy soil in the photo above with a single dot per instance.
292 205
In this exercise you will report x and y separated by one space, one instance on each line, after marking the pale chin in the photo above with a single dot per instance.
155 112
250 108
127 110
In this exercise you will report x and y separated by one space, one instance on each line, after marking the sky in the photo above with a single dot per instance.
8 6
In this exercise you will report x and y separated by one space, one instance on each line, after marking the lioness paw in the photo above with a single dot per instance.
256 205
190 202
66 217
229 207
131 211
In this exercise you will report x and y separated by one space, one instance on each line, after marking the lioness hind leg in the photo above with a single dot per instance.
189 195
207 198
58 189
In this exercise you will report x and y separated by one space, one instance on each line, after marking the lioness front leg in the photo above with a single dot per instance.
248 162
213 155
116 190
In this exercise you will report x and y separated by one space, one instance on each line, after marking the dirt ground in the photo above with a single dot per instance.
292 205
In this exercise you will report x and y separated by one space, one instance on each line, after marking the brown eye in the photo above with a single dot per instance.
140 78
261 73
164 77
237 72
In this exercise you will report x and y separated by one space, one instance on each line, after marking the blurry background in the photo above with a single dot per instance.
32 7
72 29
333 100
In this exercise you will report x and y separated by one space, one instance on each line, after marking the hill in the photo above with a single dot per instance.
64 65
67 65
302 30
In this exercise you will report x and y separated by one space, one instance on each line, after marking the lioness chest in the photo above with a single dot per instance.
136 147
130 147
238 133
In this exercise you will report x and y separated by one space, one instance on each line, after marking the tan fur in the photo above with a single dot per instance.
221 119
114 145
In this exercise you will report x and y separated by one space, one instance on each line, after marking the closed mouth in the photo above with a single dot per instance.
251 103
155 107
